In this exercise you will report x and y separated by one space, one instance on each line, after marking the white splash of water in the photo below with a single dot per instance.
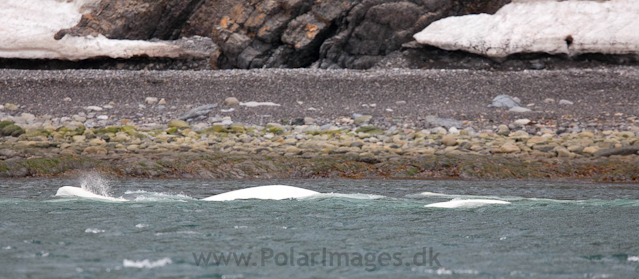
95 183
146 263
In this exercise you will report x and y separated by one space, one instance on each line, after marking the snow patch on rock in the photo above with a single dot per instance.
27 30
542 26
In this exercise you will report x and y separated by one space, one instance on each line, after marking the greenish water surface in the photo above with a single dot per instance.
357 229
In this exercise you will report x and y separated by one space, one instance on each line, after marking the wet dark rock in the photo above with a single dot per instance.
297 121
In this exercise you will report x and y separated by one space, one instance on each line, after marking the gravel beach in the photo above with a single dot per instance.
598 94
315 123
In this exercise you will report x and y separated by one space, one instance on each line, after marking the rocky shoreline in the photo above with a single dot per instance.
308 151
53 125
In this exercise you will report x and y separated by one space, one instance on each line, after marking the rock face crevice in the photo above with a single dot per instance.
280 33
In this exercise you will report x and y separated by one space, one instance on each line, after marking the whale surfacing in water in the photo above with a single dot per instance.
466 203
271 192
77 192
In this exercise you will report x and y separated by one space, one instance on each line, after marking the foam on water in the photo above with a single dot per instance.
92 230
471 203
531 201
146 263
344 196
143 196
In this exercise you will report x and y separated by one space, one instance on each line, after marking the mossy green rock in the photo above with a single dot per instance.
5 124
108 130
238 129
179 124
276 130
129 130
36 133
373 130
12 130
171 131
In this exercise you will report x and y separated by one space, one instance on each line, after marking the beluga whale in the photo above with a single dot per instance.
77 192
270 192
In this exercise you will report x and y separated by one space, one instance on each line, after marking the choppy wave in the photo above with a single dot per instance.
146 263
142 196
530 201
431 199
344 196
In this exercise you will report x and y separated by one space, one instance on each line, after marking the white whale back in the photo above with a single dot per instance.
470 203
77 192
271 192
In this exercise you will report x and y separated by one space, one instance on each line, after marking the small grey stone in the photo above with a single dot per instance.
503 101
503 130
364 119
309 120
10 107
79 118
231 101
94 108
151 100
565 102
435 121
198 113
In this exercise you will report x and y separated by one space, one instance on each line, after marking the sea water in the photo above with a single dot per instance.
356 229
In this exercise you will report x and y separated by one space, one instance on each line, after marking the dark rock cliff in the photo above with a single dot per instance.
357 34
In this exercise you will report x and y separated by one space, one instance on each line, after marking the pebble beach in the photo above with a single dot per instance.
332 123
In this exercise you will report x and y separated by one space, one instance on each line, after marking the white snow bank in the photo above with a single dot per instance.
609 27
27 28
